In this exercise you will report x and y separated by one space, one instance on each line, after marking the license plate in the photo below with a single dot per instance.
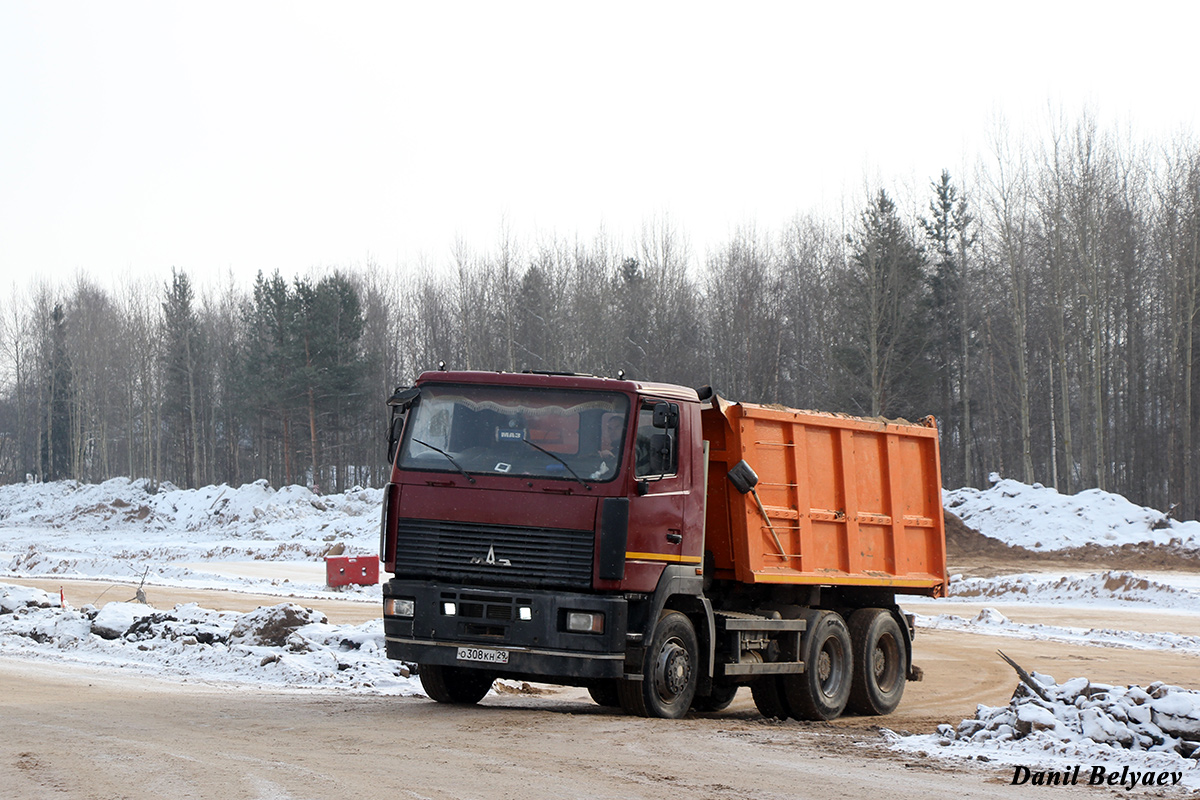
483 654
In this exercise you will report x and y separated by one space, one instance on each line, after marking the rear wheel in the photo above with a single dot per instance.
605 692
629 697
823 689
881 656
717 700
454 684
770 698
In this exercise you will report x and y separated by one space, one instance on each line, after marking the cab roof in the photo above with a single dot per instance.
559 380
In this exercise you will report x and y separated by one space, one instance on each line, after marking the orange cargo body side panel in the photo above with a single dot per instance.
852 501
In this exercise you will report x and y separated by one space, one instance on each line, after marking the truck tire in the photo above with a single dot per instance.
880 664
629 697
770 698
669 671
717 700
606 692
454 684
823 689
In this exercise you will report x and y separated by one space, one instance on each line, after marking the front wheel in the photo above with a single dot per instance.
454 684
669 671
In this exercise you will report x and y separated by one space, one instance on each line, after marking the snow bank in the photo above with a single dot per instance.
1149 731
989 621
1039 518
249 511
122 529
1111 588
283 646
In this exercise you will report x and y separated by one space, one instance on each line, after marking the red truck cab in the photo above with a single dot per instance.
511 528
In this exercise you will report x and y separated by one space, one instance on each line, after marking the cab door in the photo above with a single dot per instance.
656 510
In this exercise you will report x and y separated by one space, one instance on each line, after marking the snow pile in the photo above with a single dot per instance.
251 510
991 622
1111 588
284 646
1039 518
121 530
1151 730
15 597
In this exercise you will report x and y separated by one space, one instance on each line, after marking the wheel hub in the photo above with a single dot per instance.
824 667
829 666
673 670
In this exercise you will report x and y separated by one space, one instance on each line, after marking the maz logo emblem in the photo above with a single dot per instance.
491 559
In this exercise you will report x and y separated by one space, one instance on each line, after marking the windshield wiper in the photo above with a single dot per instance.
449 458
559 460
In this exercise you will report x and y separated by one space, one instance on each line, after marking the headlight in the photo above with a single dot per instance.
398 606
585 621
524 613
449 608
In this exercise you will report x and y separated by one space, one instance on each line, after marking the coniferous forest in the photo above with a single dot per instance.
1045 308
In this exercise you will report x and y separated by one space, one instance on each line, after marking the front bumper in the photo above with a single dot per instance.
490 618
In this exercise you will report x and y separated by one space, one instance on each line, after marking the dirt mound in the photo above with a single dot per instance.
967 546
1143 555
965 543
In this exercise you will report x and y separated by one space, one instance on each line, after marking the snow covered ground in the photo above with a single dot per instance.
249 539
282 646
257 539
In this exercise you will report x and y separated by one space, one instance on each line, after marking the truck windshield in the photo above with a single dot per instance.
544 433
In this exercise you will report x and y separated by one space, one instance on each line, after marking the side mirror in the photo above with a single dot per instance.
743 478
666 415
395 427
400 402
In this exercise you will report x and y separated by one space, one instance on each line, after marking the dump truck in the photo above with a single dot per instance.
656 544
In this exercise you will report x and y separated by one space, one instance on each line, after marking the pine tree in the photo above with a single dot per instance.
950 235
270 384
60 394
181 355
633 305
532 332
327 365
344 392
885 287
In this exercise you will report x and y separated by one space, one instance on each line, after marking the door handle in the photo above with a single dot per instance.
674 537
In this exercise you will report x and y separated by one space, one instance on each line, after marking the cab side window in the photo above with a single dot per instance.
655 451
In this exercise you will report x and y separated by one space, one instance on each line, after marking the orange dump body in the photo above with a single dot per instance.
851 501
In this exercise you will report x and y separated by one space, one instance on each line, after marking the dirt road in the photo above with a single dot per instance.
71 732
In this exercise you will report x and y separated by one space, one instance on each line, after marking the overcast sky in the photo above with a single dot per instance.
242 136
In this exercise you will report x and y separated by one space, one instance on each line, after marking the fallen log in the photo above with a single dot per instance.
1038 688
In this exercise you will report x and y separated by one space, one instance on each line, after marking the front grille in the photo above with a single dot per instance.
507 555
